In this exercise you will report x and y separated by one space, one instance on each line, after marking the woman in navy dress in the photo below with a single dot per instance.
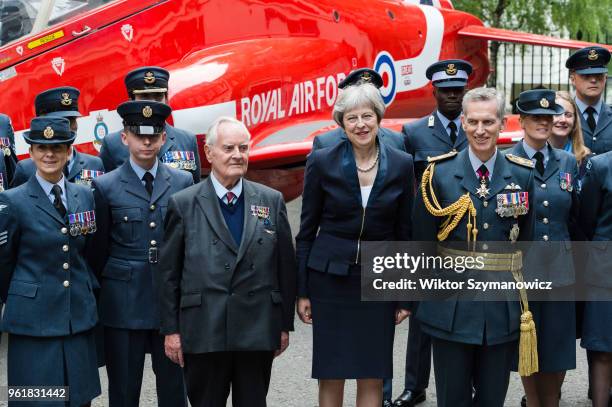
354 191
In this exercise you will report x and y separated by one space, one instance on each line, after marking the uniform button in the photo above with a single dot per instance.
64 231
545 203
485 226
65 248
227 266
594 138
153 243
485 203
545 238
545 220
485 247
543 186
152 225
260 240
125 218
66 266
66 283
152 207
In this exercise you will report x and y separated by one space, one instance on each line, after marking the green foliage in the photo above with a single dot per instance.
590 18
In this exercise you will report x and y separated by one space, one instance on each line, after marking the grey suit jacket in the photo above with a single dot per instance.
218 295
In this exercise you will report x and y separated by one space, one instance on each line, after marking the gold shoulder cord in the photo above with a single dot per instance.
455 211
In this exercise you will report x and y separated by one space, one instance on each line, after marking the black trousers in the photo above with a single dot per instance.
208 377
125 354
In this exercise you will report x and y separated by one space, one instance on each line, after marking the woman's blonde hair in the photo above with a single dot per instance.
578 148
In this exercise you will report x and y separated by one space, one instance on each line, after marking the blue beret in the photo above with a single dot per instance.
148 117
60 102
49 130
450 73
538 101
589 60
148 79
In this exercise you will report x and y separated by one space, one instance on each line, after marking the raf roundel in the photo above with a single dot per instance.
385 66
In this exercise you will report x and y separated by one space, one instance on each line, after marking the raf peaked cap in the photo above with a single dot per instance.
148 79
589 60
60 102
49 130
146 117
362 75
450 73
538 102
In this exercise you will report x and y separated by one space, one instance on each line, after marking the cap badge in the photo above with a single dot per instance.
149 78
451 70
66 101
48 132
593 55
366 77
544 103
147 111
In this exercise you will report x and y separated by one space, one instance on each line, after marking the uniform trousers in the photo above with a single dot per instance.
209 376
459 366
125 351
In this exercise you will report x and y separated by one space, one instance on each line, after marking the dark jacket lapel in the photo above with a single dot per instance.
170 135
605 119
439 131
250 222
77 166
42 201
469 180
132 184
383 165
209 204
501 175
552 167
161 183
349 168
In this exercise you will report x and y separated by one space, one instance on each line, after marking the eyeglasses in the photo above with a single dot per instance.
367 118
568 115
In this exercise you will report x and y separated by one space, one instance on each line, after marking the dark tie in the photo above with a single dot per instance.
148 179
230 196
539 162
453 132
483 174
590 111
57 202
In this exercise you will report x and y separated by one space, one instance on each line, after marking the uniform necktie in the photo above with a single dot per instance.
57 202
590 111
483 174
453 132
230 196
148 179
539 162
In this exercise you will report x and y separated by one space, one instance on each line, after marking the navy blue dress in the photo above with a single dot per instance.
351 339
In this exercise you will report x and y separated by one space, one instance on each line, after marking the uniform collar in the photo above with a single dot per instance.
47 186
530 151
583 106
476 163
140 172
445 121
221 191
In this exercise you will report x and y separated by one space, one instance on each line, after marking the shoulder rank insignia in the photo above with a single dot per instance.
442 157
520 161
431 121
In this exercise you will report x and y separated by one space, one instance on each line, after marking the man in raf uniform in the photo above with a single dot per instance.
62 102
588 74
8 155
333 137
131 203
180 149
489 195
431 136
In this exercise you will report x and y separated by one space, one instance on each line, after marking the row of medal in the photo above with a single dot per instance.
513 204
5 145
182 160
82 223
1 182
261 212
86 176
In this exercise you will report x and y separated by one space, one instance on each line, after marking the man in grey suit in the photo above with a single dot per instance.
227 277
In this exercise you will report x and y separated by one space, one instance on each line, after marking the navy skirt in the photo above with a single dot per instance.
597 320
351 339
555 323
69 361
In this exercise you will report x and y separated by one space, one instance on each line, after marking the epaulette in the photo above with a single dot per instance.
442 157
520 161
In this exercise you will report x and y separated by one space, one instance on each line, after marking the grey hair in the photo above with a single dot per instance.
484 95
356 96
213 130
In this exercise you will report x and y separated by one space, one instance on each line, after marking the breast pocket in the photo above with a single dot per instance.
126 224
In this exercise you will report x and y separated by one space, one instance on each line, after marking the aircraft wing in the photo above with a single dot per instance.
498 34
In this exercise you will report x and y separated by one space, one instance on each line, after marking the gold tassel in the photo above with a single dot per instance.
528 346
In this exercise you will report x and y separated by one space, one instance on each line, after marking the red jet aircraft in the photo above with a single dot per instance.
274 64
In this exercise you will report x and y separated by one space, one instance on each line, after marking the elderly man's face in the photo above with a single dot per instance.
229 155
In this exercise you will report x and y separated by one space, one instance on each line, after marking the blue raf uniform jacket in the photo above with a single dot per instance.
130 233
334 222
556 215
457 318
425 140
26 168
333 137
114 153
4 180
599 141
44 277
9 160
